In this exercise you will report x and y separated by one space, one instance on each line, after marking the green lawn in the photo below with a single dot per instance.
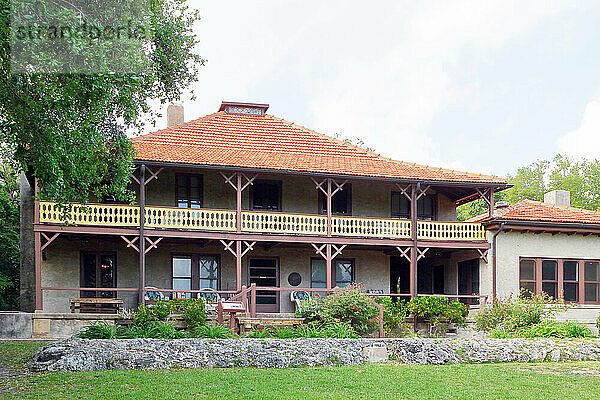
375 381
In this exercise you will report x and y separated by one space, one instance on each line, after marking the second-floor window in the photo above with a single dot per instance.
188 190
341 202
265 195
401 207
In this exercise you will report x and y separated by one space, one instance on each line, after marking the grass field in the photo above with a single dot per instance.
375 381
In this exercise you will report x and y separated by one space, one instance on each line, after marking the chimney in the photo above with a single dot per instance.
558 197
174 114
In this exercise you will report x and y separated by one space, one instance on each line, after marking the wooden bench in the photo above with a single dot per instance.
96 304
247 323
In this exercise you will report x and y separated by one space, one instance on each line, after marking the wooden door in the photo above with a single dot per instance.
265 272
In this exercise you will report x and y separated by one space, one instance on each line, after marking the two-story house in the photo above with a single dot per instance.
241 197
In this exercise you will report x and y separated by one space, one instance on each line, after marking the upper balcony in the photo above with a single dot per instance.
259 222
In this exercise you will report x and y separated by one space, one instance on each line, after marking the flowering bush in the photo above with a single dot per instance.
512 314
350 305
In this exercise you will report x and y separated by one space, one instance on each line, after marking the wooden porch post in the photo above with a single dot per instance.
329 212
142 240
328 264
238 263
238 212
413 253
39 301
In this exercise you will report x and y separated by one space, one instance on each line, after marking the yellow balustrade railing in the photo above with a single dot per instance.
434 230
189 218
371 227
252 221
90 214
283 223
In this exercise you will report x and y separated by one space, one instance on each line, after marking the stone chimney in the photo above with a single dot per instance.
174 114
558 197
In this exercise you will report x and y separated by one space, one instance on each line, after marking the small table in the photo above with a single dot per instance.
95 304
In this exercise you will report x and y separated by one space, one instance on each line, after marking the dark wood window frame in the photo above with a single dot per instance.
560 281
279 185
188 196
322 201
195 272
333 272
434 199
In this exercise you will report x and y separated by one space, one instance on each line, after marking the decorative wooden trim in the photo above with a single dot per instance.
130 243
153 175
153 244
421 253
48 239
319 249
337 250
405 253
228 245
483 254
249 247
405 190
422 191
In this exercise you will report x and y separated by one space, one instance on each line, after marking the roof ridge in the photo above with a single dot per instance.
171 128
401 162
324 135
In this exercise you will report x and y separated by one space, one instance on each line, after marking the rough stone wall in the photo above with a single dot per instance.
91 355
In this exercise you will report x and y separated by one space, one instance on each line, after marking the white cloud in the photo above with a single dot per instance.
585 140
381 71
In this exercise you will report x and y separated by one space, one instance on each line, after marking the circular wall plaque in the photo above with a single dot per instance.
294 279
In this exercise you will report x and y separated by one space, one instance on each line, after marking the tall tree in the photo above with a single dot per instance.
67 126
9 234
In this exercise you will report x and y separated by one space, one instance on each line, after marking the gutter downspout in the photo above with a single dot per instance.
494 252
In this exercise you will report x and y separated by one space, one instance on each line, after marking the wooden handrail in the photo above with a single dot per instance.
259 222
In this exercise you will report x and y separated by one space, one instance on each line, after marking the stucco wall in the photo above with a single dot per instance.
512 245
62 267
299 194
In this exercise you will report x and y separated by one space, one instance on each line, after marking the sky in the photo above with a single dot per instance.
480 86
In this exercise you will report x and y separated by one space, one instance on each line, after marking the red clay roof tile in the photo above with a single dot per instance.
268 142
529 210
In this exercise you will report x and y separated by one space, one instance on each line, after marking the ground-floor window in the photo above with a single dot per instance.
343 273
195 272
573 280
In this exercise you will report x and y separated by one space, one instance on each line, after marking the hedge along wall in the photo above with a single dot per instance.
90 355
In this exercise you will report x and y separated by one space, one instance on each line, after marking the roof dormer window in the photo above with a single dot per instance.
251 109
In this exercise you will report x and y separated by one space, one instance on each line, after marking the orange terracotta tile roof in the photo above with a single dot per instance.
268 142
537 211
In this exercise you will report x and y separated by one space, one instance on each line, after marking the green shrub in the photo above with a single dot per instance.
349 305
438 309
394 314
557 329
151 330
515 313
340 330
99 330
217 331
192 311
